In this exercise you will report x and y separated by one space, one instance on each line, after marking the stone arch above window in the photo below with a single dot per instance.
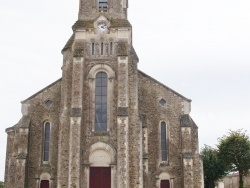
101 67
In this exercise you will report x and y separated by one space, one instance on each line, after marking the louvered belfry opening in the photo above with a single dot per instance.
103 5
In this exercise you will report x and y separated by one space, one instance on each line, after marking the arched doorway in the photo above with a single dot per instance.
165 181
101 174
45 180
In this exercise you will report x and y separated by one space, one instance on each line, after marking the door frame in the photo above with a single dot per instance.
102 170
110 161
165 176
113 174
168 183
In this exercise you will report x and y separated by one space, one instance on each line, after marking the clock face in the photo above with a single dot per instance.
102 26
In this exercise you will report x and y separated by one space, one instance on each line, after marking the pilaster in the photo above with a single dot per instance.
9 164
75 123
135 129
144 146
187 152
64 128
122 124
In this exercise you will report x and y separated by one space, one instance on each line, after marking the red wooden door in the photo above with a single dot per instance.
100 177
44 184
165 184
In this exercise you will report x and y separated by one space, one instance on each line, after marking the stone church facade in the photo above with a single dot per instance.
104 123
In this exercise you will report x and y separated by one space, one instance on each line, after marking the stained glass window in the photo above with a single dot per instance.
101 102
163 141
46 141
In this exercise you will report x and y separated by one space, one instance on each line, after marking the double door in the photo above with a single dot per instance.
44 184
100 177
165 184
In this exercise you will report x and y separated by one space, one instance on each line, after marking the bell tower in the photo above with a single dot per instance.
99 106
90 9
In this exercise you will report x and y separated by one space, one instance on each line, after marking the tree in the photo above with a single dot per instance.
1 184
234 152
212 166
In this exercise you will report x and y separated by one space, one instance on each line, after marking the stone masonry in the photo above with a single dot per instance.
133 148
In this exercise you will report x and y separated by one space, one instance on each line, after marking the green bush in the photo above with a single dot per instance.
1 184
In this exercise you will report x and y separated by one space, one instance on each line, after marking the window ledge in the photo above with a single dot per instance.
164 163
101 133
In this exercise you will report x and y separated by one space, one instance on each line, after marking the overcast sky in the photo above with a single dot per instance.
199 48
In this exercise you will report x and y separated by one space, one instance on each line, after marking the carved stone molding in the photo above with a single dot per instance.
187 155
79 50
76 112
185 120
21 155
122 49
143 120
145 156
122 111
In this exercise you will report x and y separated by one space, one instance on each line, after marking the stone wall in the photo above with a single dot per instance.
152 113
89 9
150 93
39 113
136 104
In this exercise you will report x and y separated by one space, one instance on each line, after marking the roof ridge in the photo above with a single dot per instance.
32 96
164 85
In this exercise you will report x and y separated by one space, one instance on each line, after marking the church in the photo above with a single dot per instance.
104 123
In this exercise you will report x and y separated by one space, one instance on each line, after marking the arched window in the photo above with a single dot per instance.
163 141
46 141
102 48
93 48
111 48
101 102
101 81
103 5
